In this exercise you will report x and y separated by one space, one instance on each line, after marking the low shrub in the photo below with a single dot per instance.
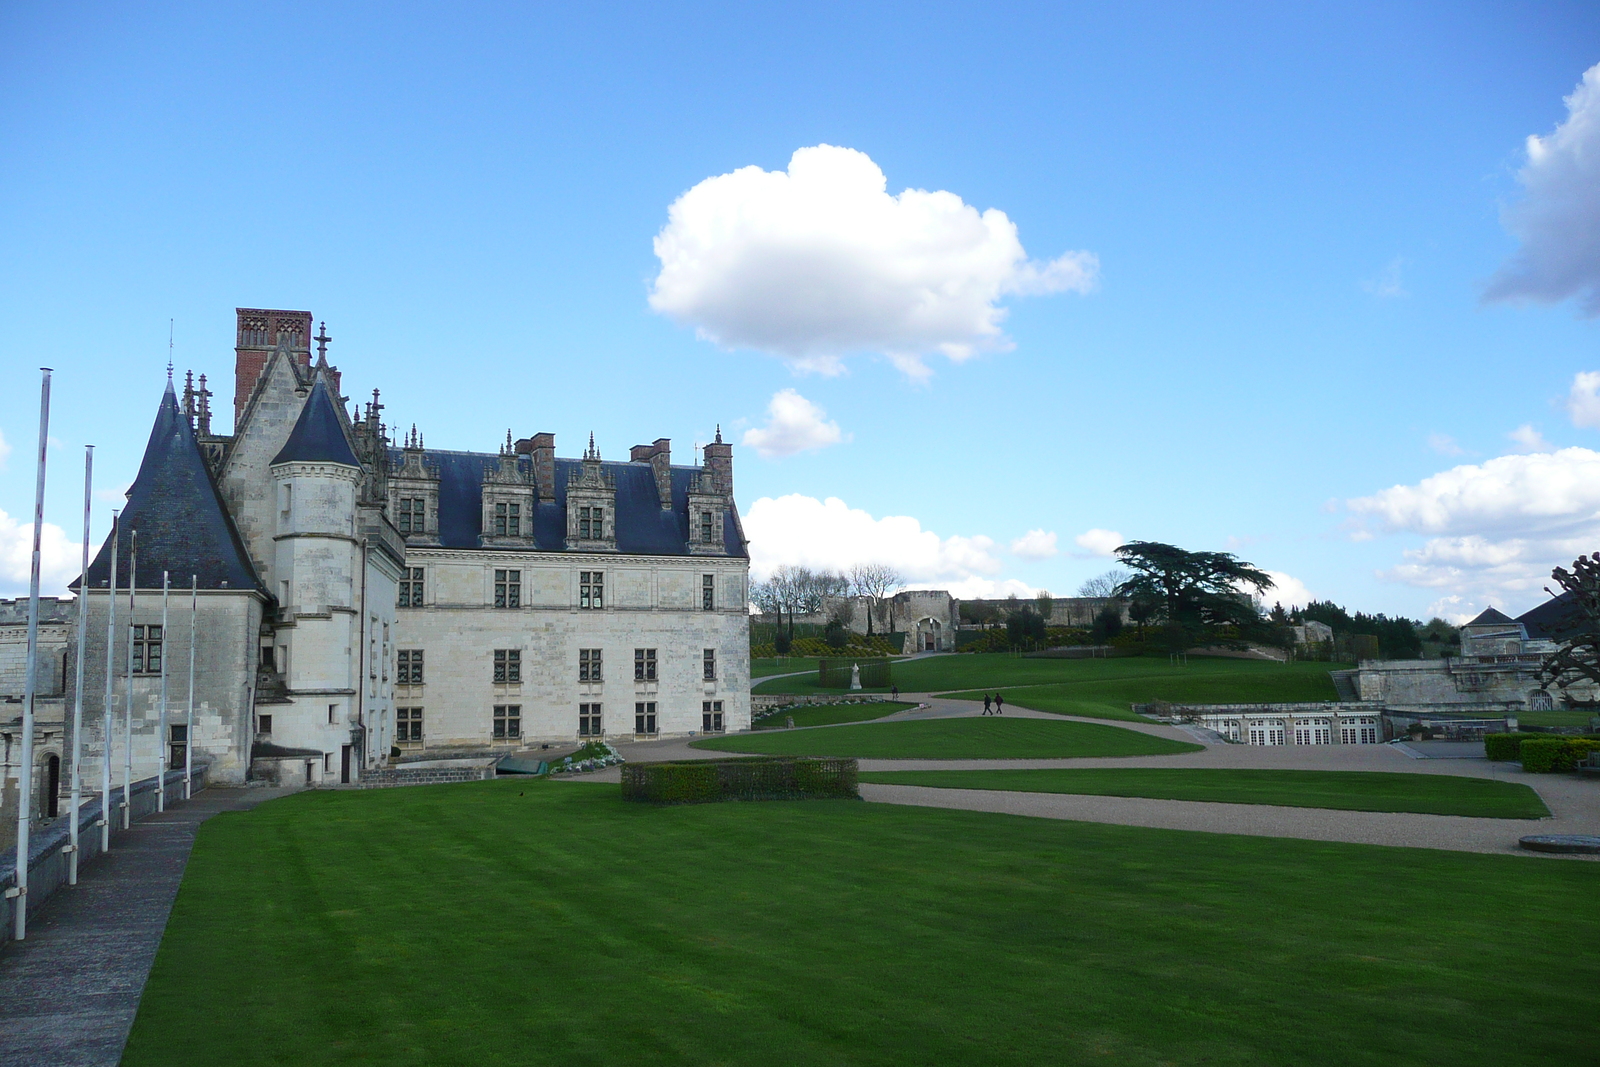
1547 755
756 778
1508 747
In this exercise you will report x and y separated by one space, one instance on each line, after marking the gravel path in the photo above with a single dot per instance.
1574 802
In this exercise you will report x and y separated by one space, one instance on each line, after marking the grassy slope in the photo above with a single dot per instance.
1106 681
830 714
761 668
477 925
1431 794
975 738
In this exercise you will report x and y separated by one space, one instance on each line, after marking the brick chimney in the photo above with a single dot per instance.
542 448
719 462
260 330
659 456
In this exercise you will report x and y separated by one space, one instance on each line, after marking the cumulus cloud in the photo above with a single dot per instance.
984 589
794 424
1558 219
1035 544
1583 399
828 534
1495 529
59 558
1445 445
1527 439
1098 542
819 261
1286 589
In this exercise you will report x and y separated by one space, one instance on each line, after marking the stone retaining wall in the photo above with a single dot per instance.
48 859
762 704
391 777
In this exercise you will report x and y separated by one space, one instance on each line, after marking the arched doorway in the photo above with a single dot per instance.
1541 700
51 799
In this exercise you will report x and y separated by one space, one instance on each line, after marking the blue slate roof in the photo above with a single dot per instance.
1553 620
643 527
183 526
318 435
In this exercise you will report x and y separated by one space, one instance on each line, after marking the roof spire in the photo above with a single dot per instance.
719 433
322 340
591 452
170 323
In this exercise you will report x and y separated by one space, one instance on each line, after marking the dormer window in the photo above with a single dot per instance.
508 520
413 517
706 527
591 523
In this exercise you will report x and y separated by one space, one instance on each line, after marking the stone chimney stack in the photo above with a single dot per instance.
541 447
659 456
261 330
719 463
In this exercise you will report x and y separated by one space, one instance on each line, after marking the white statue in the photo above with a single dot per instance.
855 676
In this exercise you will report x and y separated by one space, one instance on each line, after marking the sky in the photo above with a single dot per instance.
977 290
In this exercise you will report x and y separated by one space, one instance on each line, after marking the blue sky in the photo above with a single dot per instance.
1285 221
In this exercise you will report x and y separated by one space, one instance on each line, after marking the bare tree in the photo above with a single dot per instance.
877 582
1104 586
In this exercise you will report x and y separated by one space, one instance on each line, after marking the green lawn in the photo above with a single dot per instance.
1430 794
967 738
830 714
1105 682
511 923
763 668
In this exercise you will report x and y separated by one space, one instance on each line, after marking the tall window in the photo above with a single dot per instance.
644 664
408 725
708 665
508 589
589 720
508 520
409 669
413 515
591 590
711 717
708 585
591 523
411 588
706 526
147 650
644 717
507 721
588 665
178 744
508 665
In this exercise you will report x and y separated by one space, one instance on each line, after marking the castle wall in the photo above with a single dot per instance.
248 487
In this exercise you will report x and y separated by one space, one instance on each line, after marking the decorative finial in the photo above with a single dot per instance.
593 452
719 433
322 340
170 323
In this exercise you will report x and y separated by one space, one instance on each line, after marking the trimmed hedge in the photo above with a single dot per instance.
1508 747
859 646
1547 755
753 778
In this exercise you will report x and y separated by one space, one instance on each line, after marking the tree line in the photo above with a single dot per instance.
794 590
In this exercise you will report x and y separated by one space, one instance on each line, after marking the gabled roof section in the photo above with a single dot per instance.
1490 617
183 526
318 435
1554 620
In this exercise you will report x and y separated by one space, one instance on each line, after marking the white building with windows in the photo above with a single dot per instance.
1289 724
360 596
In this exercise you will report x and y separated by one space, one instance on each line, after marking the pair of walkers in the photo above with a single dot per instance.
999 705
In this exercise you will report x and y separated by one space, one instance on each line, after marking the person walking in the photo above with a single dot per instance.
999 704
894 692
986 703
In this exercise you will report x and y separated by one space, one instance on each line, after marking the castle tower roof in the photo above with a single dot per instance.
183 526
318 435
1490 617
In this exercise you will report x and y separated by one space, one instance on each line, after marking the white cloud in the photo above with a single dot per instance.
983 588
794 424
1527 439
1583 400
1035 544
1286 589
1445 445
819 261
828 534
59 558
1496 529
1452 609
1387 285
5 451
1098 542
1558 218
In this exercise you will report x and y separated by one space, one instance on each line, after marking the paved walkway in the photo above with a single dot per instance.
1574 802
68 993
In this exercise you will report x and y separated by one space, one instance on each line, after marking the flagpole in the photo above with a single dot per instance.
127 720
107 724
25 782
161 715
77 687
188 731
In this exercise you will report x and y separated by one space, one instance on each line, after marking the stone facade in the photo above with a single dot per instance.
928 618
